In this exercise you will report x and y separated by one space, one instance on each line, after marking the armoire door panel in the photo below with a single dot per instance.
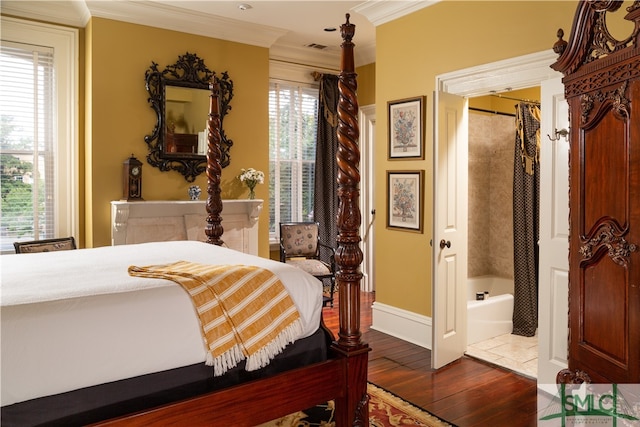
605 319
603 215
602 338
605 148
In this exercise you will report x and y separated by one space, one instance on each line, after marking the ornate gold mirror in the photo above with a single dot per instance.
179 95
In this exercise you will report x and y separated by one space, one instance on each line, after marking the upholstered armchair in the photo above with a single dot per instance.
300 246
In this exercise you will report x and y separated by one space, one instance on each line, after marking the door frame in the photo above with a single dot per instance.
553 282
367 121
510 74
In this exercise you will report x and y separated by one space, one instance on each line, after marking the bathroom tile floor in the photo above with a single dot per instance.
514 352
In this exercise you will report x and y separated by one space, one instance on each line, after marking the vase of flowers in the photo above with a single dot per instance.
194 192
251 178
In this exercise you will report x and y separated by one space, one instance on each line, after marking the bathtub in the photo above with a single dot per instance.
493 316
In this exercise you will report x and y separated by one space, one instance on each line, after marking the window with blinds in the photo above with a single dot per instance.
292 150
27 142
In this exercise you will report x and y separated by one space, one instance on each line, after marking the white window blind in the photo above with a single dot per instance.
292 150
27 142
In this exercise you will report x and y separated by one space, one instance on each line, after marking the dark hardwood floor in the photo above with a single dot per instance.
466 393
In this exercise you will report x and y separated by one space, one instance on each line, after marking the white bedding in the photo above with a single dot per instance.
73 319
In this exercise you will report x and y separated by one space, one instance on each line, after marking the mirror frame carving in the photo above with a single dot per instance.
189 71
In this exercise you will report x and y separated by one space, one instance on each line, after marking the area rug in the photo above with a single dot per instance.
385 409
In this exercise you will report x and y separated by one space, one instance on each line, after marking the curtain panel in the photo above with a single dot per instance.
326 170
526 214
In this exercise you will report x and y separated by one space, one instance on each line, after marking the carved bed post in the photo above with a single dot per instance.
348 254
214 228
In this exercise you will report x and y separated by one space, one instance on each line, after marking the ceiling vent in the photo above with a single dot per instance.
317 46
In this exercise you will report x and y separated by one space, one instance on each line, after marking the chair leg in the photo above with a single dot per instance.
332 289
328 300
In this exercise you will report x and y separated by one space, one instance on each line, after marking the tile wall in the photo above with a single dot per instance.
491 157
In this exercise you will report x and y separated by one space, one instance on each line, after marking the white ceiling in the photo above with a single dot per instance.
286 27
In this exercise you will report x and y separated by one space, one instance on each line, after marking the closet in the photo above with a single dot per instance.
602 87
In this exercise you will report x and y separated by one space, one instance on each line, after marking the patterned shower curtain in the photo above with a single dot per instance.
526 212
325 200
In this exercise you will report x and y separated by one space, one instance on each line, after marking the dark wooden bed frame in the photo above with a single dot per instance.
343 377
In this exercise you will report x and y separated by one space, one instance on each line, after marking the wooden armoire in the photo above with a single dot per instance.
602 87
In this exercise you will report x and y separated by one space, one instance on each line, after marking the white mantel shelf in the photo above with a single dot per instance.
164 220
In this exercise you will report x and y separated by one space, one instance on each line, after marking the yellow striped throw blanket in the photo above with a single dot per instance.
245 312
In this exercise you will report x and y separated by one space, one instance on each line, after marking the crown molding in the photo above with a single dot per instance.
379 12
71 13
327 58
160 15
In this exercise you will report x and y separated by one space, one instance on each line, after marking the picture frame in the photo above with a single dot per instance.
405 200
406 128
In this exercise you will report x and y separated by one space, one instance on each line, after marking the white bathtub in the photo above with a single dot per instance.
493 316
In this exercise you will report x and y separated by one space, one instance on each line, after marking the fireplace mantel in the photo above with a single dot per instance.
157 221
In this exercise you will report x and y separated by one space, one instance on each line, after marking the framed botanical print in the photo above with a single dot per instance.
406 128
405 195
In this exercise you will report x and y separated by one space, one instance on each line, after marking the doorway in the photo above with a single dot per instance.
491 274
367 121
449 291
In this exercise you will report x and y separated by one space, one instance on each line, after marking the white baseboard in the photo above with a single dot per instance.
403 324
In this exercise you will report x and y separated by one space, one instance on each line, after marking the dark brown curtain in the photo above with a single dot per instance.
526 214
325 198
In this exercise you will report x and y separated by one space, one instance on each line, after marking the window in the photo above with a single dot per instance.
292 150
26 140
38 135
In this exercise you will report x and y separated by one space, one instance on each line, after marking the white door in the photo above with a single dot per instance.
367 121
449 314
553 276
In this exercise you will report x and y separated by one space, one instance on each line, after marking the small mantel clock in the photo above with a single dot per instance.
132 179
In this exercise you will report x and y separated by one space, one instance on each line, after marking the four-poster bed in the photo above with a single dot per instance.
341 371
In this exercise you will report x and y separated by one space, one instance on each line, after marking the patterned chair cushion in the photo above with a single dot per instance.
311 266
300 240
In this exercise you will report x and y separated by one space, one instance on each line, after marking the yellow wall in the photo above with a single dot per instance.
366 84
118 116
410 53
